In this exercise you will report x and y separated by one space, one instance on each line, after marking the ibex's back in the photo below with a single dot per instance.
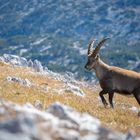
121 80
112 79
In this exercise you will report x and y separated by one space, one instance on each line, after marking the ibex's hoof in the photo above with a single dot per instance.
112 106
106 105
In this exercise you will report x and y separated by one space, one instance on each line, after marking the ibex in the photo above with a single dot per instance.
112 79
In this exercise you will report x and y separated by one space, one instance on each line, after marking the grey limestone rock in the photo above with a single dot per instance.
58 122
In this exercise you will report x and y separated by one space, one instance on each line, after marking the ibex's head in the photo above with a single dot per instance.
93 55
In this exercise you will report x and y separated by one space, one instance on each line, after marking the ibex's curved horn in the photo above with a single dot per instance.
90 46
100 44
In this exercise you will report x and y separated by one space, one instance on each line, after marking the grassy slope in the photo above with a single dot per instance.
118 118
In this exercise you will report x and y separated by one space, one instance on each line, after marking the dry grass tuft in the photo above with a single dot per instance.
118 118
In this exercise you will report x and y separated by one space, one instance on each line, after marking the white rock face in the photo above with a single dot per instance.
14 60
37 66
58 122
21 61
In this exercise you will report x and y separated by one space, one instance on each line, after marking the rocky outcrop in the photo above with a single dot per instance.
58 122
24 82
70 84
21 61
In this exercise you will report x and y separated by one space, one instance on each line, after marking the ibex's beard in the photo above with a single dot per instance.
89 68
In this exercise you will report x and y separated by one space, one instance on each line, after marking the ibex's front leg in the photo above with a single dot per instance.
137 96
111 94
102 97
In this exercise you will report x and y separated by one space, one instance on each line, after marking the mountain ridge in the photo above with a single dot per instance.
57 32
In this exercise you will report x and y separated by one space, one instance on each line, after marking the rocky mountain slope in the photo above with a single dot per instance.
57 32
40 106
70 18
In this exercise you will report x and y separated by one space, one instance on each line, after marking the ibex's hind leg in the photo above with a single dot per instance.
111 94
102 97
137 96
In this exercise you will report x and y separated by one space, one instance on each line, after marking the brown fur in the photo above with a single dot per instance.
114 79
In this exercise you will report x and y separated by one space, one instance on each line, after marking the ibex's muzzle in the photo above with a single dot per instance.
88 67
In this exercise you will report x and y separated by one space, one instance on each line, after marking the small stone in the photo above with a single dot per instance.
25 82
38 104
